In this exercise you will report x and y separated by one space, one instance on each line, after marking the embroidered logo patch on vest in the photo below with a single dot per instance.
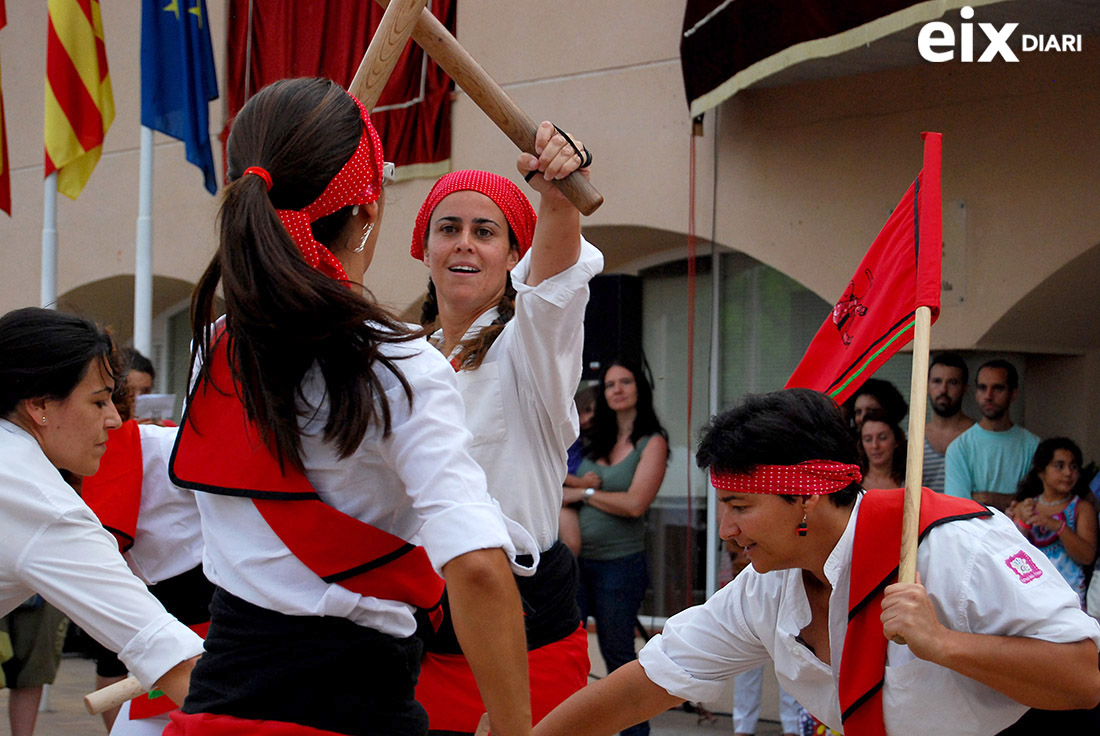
1024 567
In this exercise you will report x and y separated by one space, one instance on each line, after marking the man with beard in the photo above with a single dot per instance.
987 461
948 378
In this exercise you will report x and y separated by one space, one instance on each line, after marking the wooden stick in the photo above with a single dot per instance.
914 464
384 50
114 695
441 45
483 726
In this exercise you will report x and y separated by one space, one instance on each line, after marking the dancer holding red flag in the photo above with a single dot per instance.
992 630
327 442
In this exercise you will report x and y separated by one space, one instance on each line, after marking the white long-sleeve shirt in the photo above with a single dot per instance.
168 540
519 401
982 577
419 483
52 544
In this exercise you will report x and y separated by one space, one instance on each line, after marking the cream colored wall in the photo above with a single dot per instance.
96 233
810 172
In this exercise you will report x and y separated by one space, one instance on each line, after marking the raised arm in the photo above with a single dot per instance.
647 479
557 240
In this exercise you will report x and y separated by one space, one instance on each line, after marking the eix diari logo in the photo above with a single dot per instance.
936 41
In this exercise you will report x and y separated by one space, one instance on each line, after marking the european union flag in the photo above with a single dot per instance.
177 77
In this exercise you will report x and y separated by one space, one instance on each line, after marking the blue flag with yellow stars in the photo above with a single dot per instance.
177 77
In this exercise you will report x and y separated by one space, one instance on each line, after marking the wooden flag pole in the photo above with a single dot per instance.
114 695
914 464
384 50
452 58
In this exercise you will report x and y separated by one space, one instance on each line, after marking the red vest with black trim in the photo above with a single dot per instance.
876 552
114 492
220 450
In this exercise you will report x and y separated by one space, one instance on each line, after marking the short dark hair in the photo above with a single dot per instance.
1011 376
951 360
135 361
45 354
779 428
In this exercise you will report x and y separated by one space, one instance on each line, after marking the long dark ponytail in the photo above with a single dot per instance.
282 315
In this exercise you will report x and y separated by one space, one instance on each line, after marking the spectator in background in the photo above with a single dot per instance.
948 379
987 461
569 529
882 451
140 373
880 397
37 632
628 449
1054 510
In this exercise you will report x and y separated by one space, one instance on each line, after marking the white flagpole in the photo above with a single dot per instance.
143 261
48 291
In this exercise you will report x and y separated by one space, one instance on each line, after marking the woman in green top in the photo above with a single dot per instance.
629 451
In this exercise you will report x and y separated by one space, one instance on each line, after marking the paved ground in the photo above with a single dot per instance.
67 717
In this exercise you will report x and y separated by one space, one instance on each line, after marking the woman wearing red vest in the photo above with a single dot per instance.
327 444
510 298
991 628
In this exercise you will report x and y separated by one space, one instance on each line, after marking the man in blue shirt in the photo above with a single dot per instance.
987 461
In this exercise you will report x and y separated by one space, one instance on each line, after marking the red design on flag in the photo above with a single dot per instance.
875 315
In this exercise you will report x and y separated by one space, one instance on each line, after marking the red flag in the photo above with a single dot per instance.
901 271
5 162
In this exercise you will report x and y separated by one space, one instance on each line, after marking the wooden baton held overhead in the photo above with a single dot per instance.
384 50
442 46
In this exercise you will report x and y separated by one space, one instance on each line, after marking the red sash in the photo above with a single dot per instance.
876 552
114 492
219 450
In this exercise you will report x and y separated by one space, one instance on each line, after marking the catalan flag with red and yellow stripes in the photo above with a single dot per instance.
5 162
79 104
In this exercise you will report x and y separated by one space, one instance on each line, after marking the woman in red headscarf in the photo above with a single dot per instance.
509 296
323 436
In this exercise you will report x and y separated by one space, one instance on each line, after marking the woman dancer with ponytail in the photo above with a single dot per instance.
510 300
323 436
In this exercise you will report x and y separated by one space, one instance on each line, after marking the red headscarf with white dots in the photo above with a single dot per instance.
808 478
358 182
506 195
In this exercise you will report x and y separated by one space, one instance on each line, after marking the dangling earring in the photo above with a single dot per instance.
803 527
366 234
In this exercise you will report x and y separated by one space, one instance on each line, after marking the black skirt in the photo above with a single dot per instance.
549 598
323 672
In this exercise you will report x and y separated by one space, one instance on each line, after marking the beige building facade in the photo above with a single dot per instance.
793 181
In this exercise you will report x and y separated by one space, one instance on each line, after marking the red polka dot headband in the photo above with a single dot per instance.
506 195
808 478
358 182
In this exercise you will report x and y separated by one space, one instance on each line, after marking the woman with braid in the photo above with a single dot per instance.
510 297
328 447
